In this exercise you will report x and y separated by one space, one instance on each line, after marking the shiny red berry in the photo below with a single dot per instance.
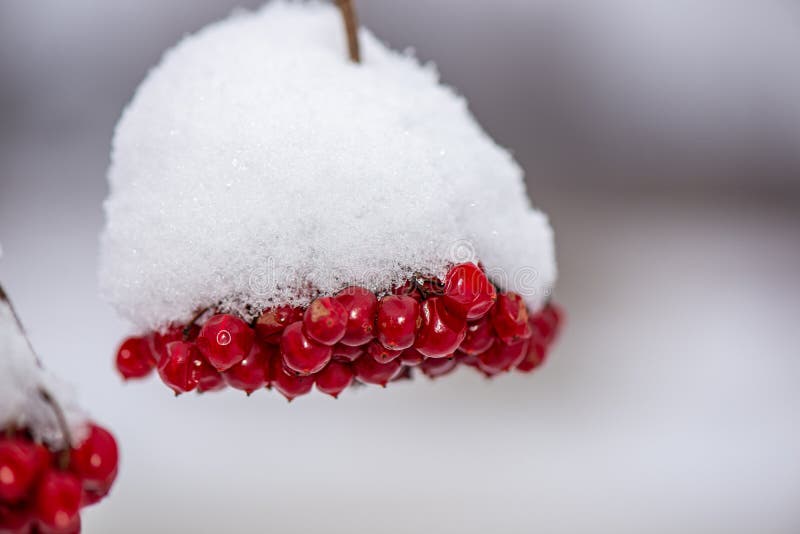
134 358
301 354
411 357
361 305
158 341
20 465
441 332
177 367
208 379
344 353
468 292
480 336
58 502
271 322
501 357
534 357
289 384
325 321
225 340
510 318
436 367
96 460
253 372
380 353
370 371
397 321
335 378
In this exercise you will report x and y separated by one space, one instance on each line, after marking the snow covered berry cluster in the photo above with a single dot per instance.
352 336
43 490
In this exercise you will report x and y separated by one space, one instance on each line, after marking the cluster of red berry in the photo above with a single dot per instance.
42 491
425 323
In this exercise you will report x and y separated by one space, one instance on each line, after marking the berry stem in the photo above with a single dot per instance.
64 456
188 328
351 27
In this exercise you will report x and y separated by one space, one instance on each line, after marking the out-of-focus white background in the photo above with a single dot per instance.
661 136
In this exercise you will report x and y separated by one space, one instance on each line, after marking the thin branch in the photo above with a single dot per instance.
351 27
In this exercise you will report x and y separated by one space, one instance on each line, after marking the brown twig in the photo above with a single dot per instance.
351 27
63 458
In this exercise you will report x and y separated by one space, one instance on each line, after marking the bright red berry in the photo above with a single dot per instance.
370 371
441 332
436 367
325 321
225 340
468 292
177 368
335 378
301 354
253 372
20 465
479 338
58 502
208 379
271 322
501 357
134 358
380 353
397 322
289 384
411 357
535 356
361 305
95 461
344 353
158 341
510 318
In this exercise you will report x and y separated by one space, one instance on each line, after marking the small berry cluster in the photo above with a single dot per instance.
353 335
42 491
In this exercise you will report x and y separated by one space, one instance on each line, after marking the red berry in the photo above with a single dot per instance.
134 358
208 379
301 354
441 332
370 371
95 460
58 501
501 357
16 519
158 341
535 357
380 353
177 368
335 378
344 353
479 338
467 291
397 322
361 305
510 318
225 340
436 367
253 372
272 322
287 383
325 321
411 357
20 465
545 324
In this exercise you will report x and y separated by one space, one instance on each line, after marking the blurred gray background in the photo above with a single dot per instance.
663 138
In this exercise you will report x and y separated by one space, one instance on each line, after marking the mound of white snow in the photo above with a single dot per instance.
256 165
